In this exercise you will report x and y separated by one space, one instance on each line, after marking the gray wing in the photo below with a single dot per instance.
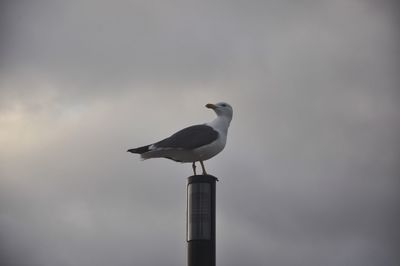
189 138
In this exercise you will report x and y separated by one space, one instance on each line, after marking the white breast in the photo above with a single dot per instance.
210 150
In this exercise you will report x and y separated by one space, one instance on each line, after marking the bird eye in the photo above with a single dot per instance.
223 105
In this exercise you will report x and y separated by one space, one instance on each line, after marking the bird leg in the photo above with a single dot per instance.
194 168
204 169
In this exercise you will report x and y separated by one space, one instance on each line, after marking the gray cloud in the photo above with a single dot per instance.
310 172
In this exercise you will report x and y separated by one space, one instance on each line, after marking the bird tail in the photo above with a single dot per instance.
140 150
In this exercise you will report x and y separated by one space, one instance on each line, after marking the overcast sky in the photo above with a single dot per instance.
310 173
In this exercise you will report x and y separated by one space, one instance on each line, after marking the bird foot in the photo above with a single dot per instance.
194 168
203 168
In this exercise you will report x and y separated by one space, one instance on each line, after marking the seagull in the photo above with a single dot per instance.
195 143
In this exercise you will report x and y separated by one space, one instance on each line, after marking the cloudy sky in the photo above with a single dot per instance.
310 174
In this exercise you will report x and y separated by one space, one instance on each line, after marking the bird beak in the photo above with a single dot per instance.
211 106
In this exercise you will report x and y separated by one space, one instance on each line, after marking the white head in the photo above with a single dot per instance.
222 109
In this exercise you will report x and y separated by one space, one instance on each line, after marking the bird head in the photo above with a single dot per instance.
221 109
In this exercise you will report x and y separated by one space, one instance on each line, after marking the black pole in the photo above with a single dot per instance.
200 220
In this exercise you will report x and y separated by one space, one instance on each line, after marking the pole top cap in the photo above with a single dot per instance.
202 179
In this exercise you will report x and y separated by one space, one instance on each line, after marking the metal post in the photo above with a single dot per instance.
200 220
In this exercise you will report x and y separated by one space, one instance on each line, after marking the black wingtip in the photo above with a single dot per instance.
139 150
